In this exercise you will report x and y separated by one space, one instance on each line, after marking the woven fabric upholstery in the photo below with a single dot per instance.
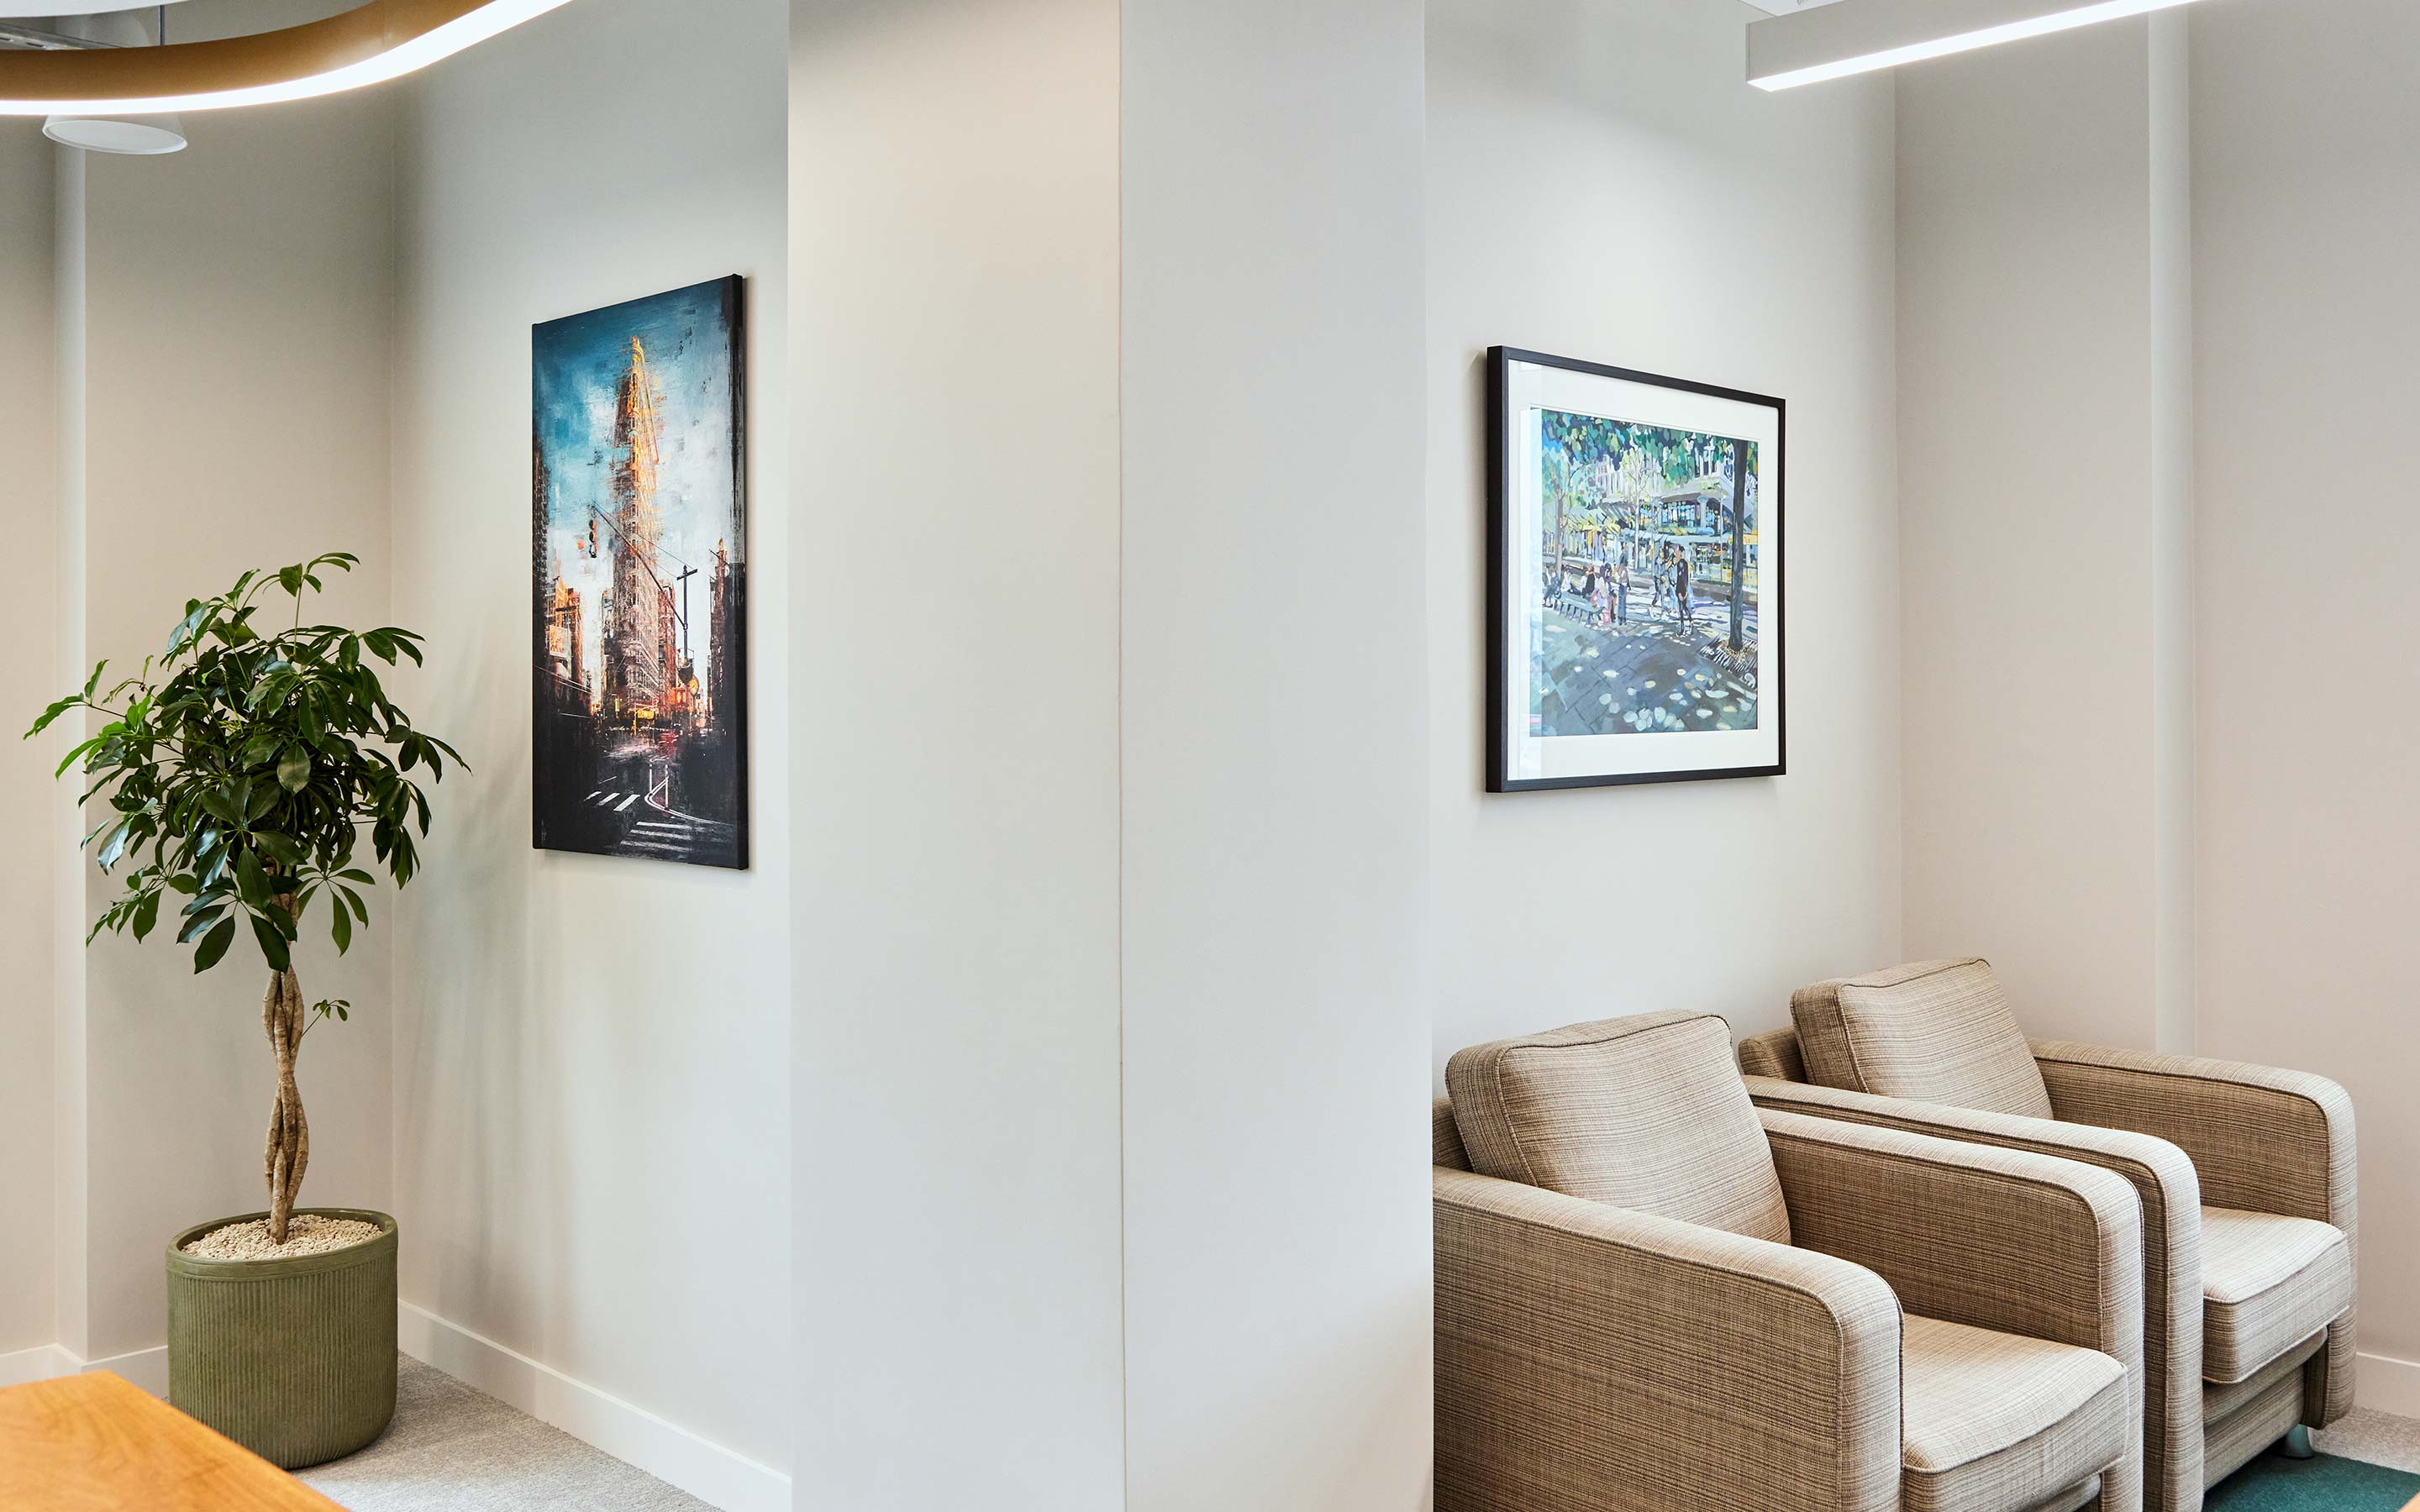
1445 1140
1642 1113
1591 1359
2267 1283
1772 1055
1937 1031
2235 1439
2170 1198
2220 1400
2081 1497
2264 1140
1996 1238
1993 1418
1992 1239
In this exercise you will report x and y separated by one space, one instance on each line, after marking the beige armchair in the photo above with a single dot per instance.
2246 1176
1653 1298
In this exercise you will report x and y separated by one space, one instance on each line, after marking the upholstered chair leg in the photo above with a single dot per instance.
2296 1444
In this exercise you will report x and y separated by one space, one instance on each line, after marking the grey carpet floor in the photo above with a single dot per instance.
2374 1437
453 1449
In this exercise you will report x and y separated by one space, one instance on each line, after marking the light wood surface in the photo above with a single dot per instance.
94 1443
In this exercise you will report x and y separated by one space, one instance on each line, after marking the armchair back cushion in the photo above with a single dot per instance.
1938 1031
1643 1113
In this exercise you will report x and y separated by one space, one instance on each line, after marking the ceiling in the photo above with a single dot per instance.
47 10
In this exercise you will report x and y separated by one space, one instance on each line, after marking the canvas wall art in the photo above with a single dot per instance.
1635 582
640 575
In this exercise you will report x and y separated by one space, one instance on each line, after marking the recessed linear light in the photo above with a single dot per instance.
1833 41
370 44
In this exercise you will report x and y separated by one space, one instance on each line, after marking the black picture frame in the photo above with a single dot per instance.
1772 649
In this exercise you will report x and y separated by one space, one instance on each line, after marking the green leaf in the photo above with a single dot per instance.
185 884
354 873
217 804
291 579
213 945
147 914
199 922
195 612
273 945
294 772
251 881
361 910
115 846
340 926
284 849
72 757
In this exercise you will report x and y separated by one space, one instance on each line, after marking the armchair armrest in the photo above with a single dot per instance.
2170 1198
2264 1140
2260 1140
1589 1358
1992 1238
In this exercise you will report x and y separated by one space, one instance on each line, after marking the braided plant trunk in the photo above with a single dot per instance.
288 1152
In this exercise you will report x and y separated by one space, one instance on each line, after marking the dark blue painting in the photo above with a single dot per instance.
640 566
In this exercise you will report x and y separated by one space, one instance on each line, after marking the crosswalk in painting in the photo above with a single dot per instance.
640 572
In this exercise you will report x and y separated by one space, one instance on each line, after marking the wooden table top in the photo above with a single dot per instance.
94 1443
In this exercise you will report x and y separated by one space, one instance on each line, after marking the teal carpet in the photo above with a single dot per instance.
2322 1483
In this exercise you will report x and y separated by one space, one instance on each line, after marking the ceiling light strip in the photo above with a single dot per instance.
370 44
1836 41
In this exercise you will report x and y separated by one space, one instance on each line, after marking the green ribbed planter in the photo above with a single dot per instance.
294 1359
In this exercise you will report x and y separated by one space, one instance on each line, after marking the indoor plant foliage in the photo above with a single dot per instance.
239 770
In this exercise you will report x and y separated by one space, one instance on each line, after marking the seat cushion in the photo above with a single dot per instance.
2267 1283
2001 1423
1938 1031
1644 1113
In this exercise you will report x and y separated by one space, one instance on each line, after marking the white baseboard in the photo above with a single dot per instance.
43 1362
2385 1384
147 1368
631 1434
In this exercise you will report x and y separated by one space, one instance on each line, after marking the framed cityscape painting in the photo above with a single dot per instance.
640 572
1635 574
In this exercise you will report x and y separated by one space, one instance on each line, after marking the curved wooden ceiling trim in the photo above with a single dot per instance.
370 44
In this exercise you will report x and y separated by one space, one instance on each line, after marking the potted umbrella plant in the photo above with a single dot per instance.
237 776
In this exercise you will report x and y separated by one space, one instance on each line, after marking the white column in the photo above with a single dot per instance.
1275 757
2044 343
954 618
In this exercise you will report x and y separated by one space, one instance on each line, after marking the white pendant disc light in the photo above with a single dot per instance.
142 136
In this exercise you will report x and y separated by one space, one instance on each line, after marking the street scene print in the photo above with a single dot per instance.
1647 619
640 571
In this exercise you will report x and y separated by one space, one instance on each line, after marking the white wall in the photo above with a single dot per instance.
2040 480
955 254
591 1099
227 317
1602 185
1274 757
2306 211
28 514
